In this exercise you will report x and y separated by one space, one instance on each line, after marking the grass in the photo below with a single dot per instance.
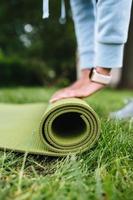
103 173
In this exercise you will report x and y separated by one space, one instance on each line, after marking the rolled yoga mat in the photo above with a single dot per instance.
64 127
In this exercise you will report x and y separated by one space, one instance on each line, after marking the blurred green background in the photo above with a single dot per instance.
36 52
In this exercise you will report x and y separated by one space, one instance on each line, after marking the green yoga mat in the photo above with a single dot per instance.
64 127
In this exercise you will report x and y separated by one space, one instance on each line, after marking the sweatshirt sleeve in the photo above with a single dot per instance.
112 25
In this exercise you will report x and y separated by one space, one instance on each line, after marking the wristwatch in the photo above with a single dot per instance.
100 78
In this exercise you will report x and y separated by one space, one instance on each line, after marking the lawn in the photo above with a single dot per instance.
105 172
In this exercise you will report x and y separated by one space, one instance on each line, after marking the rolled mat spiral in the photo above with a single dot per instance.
64 127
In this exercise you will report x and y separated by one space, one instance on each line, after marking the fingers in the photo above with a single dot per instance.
65 94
